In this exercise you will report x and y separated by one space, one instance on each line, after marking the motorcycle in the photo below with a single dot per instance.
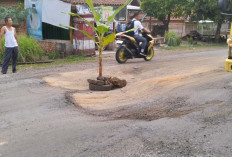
129 48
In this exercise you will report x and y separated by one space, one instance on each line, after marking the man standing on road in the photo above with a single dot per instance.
11 45
137 24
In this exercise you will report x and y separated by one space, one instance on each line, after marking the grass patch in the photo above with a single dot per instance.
59 62
53 55
29 49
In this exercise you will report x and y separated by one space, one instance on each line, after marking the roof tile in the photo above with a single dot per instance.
97 2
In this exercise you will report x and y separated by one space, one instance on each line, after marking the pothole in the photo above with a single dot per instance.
172 109
214 102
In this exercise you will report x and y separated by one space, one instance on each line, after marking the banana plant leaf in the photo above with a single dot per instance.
95 14
109 39
73 14
102 28
127 31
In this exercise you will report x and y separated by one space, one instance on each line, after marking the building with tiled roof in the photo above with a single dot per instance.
98 2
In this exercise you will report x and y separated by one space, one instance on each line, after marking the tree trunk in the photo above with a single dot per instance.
166 27
166 23
100 61
150 24
218 31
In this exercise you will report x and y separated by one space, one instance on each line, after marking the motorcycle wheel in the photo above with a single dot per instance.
149 55
120 55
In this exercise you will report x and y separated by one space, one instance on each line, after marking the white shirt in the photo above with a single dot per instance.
10 40
137 24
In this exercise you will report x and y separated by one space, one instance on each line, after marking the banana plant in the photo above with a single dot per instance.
101 28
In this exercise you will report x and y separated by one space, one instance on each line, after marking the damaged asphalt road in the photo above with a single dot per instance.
193 118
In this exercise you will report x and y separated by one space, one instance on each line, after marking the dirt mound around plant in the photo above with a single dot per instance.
143 85
153 88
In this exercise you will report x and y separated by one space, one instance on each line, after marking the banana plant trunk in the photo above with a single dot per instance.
100 61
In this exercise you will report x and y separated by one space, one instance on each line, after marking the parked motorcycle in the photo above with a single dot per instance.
129 48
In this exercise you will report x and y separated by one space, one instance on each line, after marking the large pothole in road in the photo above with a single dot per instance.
157 112
173 108
144 85
138 90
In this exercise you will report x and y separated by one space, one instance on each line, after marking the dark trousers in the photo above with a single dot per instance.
139 38
10 52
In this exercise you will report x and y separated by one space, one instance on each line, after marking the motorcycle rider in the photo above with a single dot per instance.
137 37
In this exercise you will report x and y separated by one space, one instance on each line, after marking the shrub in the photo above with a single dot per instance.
29 49
172 39
195 42
190 40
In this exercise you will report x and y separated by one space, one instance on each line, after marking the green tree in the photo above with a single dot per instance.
163 10
225 6
207 10
17 13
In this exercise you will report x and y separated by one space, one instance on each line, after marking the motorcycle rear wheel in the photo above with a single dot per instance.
120 55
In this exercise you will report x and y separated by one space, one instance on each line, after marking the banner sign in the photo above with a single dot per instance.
34 18
105 12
